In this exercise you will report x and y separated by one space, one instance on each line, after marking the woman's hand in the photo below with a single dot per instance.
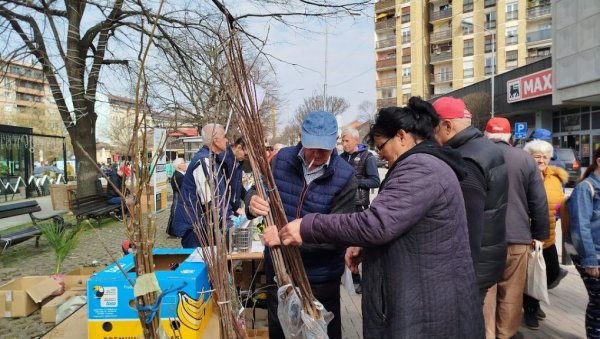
592 272
290 233
353 258
258 206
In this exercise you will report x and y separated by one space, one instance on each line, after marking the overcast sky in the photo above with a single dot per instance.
350 60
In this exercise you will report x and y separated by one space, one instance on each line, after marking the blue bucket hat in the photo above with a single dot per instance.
542 134
319 130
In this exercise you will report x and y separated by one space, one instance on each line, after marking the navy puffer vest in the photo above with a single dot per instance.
322 263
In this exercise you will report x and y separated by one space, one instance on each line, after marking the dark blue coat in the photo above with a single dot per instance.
189 209
333 192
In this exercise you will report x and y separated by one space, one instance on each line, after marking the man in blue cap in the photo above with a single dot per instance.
311 178
546 135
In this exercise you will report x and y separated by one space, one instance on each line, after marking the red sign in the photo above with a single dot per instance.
530 86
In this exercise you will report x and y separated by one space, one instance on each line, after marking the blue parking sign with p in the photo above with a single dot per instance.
520 130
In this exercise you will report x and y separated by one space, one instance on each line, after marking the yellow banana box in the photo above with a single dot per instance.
185 305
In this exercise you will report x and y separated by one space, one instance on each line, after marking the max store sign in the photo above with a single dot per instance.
530 86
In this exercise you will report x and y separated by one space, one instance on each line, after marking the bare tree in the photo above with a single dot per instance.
74 41
479 105
335 105
367 111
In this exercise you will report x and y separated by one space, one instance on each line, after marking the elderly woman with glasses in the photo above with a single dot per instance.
418 277
554 180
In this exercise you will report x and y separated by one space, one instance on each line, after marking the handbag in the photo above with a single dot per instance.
536 285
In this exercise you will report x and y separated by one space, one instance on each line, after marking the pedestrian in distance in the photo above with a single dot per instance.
197 190
418 277
311 178
176 182
526 223
367 175
484 189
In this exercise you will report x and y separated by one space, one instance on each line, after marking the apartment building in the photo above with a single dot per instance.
26 99
432 47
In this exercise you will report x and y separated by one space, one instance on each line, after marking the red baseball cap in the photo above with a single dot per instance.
498 125
451 108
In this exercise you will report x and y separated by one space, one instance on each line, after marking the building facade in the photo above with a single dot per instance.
431 47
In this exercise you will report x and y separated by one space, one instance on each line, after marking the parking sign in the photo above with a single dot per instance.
520 130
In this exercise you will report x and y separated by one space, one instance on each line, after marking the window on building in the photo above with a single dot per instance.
387 93
406 55
468 69
512 58
467 6
489 66
512 35
488 46
512 11
405 15
468 47
467 25
489 3
406 35
7 83
490 20
406 71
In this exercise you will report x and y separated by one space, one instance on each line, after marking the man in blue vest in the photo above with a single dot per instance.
367 175
311 178
206 170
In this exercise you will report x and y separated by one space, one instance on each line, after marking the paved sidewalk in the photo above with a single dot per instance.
565 314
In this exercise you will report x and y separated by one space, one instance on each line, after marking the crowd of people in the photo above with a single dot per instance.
443 247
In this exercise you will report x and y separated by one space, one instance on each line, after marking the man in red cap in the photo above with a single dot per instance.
526 219
484 189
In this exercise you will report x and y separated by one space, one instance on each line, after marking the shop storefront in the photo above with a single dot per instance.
524 95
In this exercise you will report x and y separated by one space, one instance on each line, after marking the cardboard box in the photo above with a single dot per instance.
77 278
49 309
22 296
184 312
72 327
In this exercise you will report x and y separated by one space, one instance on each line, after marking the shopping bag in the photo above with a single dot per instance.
536 285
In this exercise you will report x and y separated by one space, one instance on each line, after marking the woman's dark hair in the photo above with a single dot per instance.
239 141
418 118
593 166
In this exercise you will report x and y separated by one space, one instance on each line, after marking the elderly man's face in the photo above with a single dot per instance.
316 157
220 141
349 143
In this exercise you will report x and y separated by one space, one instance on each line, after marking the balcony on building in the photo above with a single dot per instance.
440 56
386 63
385 43
386 102
539 12
539 35
537 54
440 15
384 5
390 82
438 78
440 36
385 24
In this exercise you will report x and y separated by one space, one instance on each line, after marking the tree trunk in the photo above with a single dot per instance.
87 173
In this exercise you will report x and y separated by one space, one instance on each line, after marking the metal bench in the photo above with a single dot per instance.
94 207
18 236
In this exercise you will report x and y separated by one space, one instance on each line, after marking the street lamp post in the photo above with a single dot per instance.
493 76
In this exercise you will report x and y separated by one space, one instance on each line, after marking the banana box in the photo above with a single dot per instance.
185 308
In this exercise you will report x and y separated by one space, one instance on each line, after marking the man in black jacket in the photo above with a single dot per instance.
484 189
367 175
526 222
